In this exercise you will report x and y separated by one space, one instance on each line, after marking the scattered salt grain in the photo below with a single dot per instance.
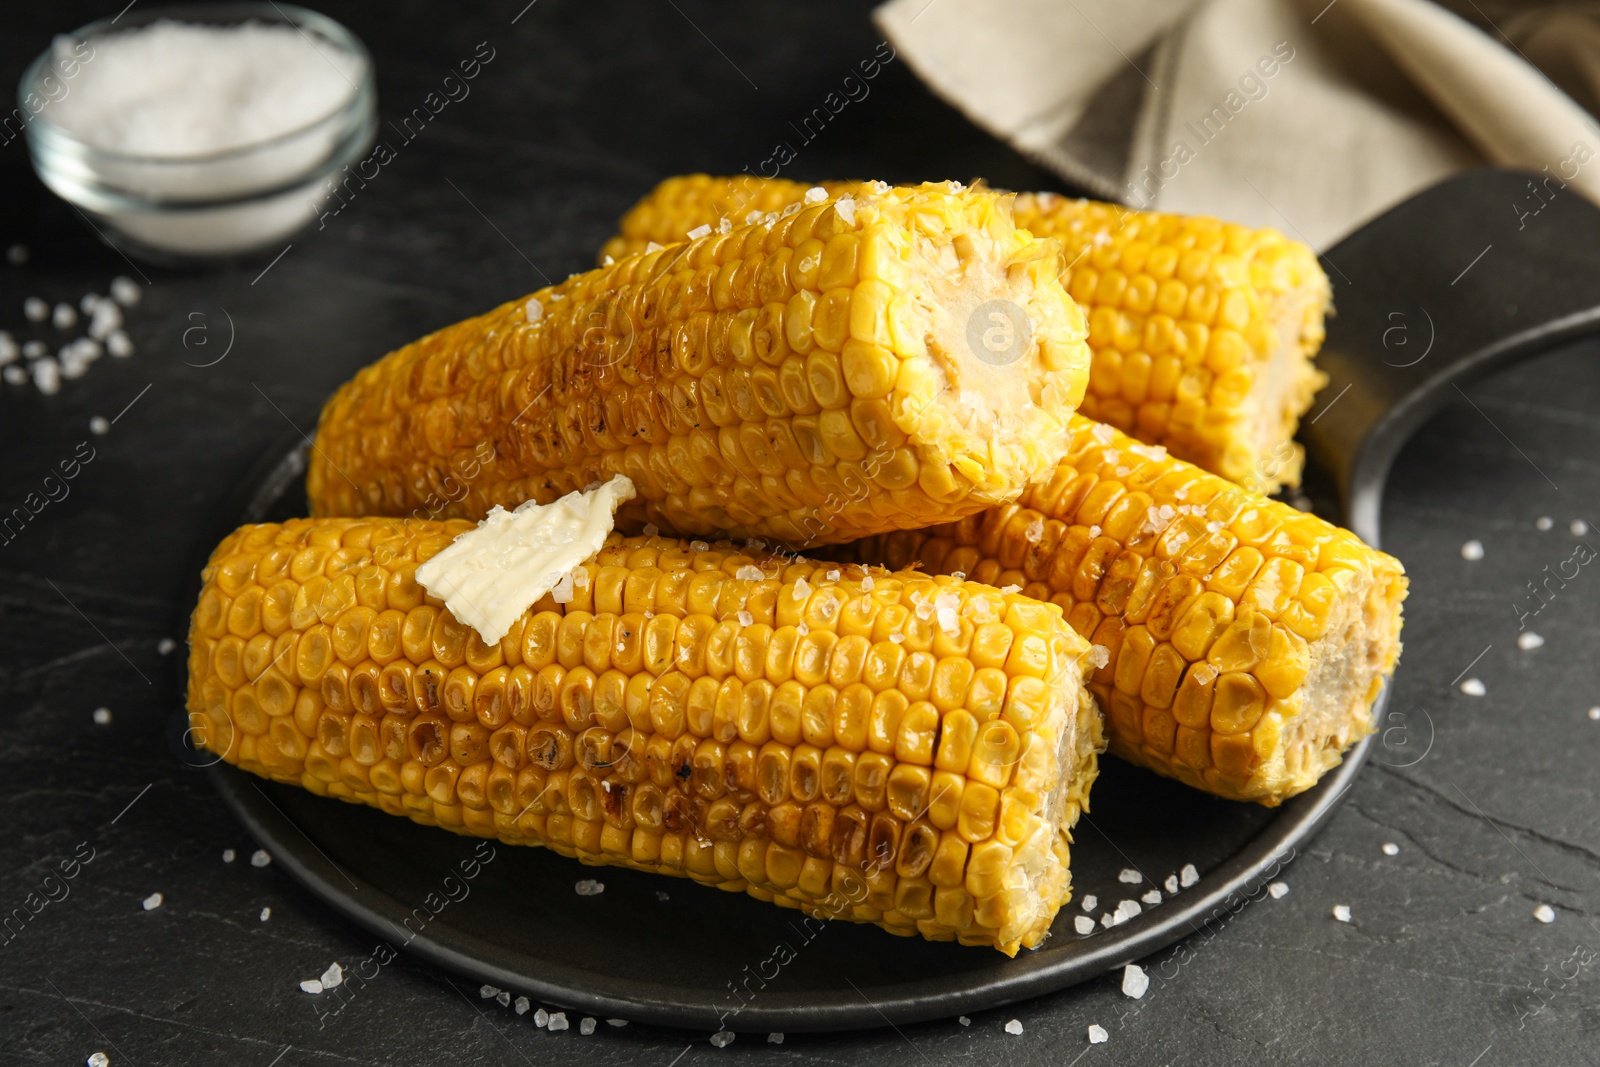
1099 655
1278 890
1545 913
816 194
99 1059
1171 885
722 1038
867 584
1472 550
1473 687
102 716
1341 912
558 1022
588 887
846 207
1188 876
586 1026
1098 1035
228 855
260 858
1129 876
47 376
699 232
965 1020
504 999
1094 531
745 618
946 606
1083 924
749 573
1090 902
1009 589
9 350
1152 898
118 345
541 1017
34 349
651 246
1529 641
1014 1027
1134 981
153 901
311 985
1107 920
125 291
333 976
17 255
775 1038
14 375
523 1004
266 913
801 588
1594 713
561 592
897 638
1578 527
1126 909
64 317
616 1022
35 310
661 895
1543 522
99 425
166 645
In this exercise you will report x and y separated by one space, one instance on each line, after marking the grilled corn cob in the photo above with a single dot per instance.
863 364
897 749
1240 643
1202 332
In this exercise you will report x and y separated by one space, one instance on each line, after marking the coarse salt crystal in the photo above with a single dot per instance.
310 985
64 317
14 375
1578 527
1188 876
1099 655
1152 898
775 1038
119 345
1083 924
965 1020
125 291
1107 919
846 207
1098 1035
616 1022
1529 641
228 855
541 1017
1134 981
102 716
699 232
1035 530
1472 550
1126 909
1474 687
562 591
588 887
1278 890
1090 902
333 976
1008 590
700 546
558 1022
98 1059
867 583
816 194
35 310
722 1038
34 349
897 637
724 225
523 1004
745 618
47 377
802 629
153 901
662 896
98 425
1170 885
1341 912
533 311
651 246
1594 713
260 858
1094 531
1129 876
586 1025
1014 1027
1391 849
801 588
266 913
1545 913
749 573
1544 522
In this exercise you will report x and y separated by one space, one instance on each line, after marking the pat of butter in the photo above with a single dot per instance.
489 576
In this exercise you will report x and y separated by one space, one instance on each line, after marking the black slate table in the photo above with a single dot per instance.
1490 799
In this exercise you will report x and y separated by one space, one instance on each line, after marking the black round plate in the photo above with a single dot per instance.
669 951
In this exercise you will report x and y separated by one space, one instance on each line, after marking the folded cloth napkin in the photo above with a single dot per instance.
1311 116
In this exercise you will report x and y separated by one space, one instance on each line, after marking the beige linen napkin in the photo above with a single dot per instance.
1305 115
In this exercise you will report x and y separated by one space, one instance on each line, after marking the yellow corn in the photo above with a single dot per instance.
1240 643
889 748
1202 331
863 364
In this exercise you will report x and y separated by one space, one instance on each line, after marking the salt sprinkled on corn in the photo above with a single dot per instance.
1474 687
1529 641
1545 913
699 232
866 584
801 588
1099 655
816 194
846 207
746 619
1341 912
1135 982
1014 1027
749 573
1472 550
1010 589
1278 890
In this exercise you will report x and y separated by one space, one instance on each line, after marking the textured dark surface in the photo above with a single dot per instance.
1492 800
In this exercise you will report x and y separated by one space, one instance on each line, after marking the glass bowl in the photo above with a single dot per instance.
195 209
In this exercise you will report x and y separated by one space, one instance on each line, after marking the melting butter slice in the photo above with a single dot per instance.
489 576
